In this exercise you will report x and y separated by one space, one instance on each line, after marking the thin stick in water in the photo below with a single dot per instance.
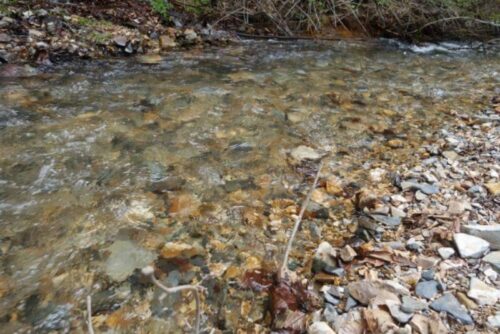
297 223
89 315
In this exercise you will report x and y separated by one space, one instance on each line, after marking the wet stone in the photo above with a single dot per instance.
125 257
426 289
449 304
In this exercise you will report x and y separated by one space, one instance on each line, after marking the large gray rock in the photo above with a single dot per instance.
449 304
470 246
490 233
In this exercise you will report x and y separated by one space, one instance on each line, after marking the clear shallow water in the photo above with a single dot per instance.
97 159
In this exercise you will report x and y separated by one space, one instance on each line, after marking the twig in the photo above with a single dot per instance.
149 271
454 19
297 223
89 315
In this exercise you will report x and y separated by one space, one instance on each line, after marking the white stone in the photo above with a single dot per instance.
494 320
493 258
377 174
490 233
446 252
470 246
304 152
482 292
396 212
320 327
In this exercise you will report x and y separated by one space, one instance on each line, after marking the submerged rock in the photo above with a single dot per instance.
302 153
125 257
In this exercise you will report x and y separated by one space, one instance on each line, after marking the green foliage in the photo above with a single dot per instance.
161 7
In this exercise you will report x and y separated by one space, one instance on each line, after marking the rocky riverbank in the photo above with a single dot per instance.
44 33
425 255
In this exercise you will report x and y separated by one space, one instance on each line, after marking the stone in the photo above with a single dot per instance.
302 153
121 41
395 143
377 174
397 313
365 291
482 292
4 38
493 188
125 257
449 304
325 256
428 275
150 59
446 252
420 196
347 254
425 188
458 207
173 250
387 221
426 289
420 324
396 212
466 301
320 327
494 321
470 246
451 155
427 262
490 233
190 35
412 305
167 42
493 258
349 323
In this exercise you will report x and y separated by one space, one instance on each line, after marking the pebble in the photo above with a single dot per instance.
449 304
470 246
426 289
446 252
320 327
482 292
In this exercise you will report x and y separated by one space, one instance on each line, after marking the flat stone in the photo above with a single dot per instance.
412 305
395 212
347 254
397 313
304 153
490 233
470 246
449 304
365 291
426 289
4 38
320 327
493 258
446 252
120 41
493 188
426 188
388 221
482 292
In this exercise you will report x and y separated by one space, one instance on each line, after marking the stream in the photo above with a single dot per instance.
102 163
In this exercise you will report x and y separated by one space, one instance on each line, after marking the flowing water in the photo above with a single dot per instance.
101 163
